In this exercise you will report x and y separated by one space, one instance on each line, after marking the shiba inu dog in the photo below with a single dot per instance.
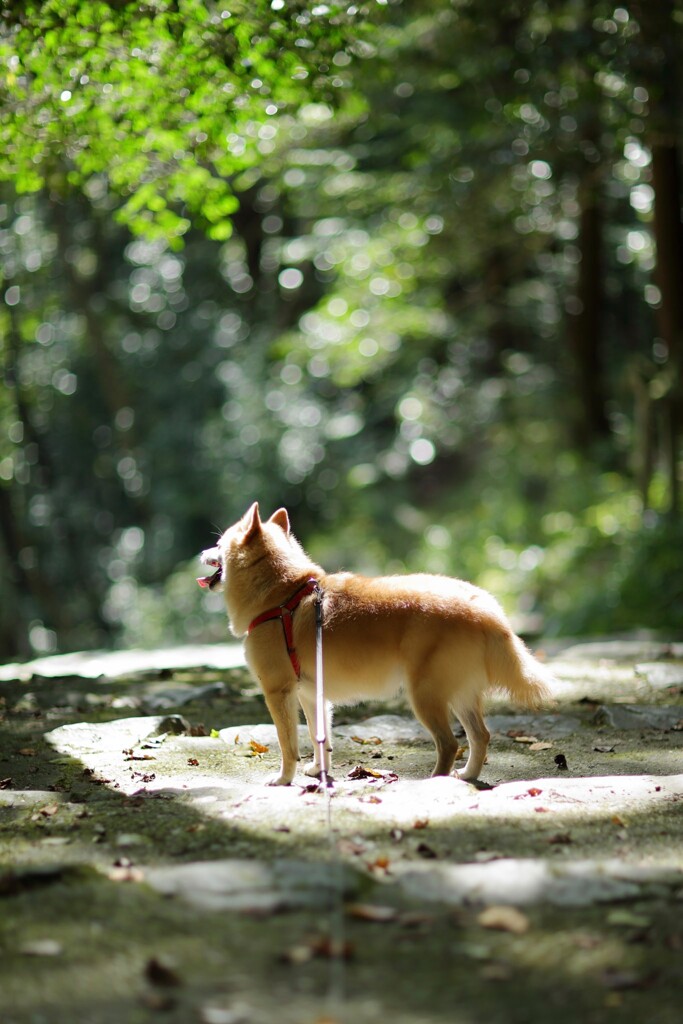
446 642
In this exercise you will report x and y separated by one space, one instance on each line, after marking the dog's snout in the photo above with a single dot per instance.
212 556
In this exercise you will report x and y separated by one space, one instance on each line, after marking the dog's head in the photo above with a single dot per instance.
235 541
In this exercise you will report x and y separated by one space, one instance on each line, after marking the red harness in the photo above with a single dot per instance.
285 613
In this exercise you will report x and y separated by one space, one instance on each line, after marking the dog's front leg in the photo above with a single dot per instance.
283 708
309 704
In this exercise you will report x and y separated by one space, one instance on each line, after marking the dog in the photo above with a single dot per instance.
445 641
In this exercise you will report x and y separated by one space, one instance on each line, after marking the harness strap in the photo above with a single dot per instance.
285 613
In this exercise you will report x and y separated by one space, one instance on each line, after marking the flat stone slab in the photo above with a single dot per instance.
252 886
256 886
640 716
525 882
119 664
85 738
622 650
661 675
165 742
549 726
28 797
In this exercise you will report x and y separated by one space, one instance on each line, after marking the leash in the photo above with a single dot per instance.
337 969
321 737
285 613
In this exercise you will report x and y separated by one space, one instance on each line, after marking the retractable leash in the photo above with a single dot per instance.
321 737
337 968
285 613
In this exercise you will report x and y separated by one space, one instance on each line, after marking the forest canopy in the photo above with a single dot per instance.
411 269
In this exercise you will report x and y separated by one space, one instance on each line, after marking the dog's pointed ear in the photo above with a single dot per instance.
252 523
281 519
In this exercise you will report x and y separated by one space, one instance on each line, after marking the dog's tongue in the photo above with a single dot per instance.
207 582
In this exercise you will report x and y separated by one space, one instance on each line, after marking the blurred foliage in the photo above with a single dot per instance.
392 265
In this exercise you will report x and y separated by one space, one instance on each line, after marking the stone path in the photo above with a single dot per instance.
162 787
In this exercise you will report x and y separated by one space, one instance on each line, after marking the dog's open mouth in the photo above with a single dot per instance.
211 558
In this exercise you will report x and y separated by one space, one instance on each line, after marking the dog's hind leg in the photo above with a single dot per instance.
309 705
284 710
478 736
435 715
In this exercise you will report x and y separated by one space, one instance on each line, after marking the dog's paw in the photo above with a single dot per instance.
278 780
313 770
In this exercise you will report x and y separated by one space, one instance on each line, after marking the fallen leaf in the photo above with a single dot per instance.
560 839
506 919
193 762
603 750
333 949
161 973
323 946
126 874
370 741
421 823
257 748
153 742
5 783
534 791
379 864
542 745
372 912
415 919
49 810
27 752
616 820
360 772
525 739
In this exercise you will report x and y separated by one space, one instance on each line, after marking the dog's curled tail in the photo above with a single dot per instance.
512 667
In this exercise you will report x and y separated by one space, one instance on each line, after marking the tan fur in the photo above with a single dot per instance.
444 641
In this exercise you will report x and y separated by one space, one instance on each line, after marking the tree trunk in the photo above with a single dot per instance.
585 323
669 275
